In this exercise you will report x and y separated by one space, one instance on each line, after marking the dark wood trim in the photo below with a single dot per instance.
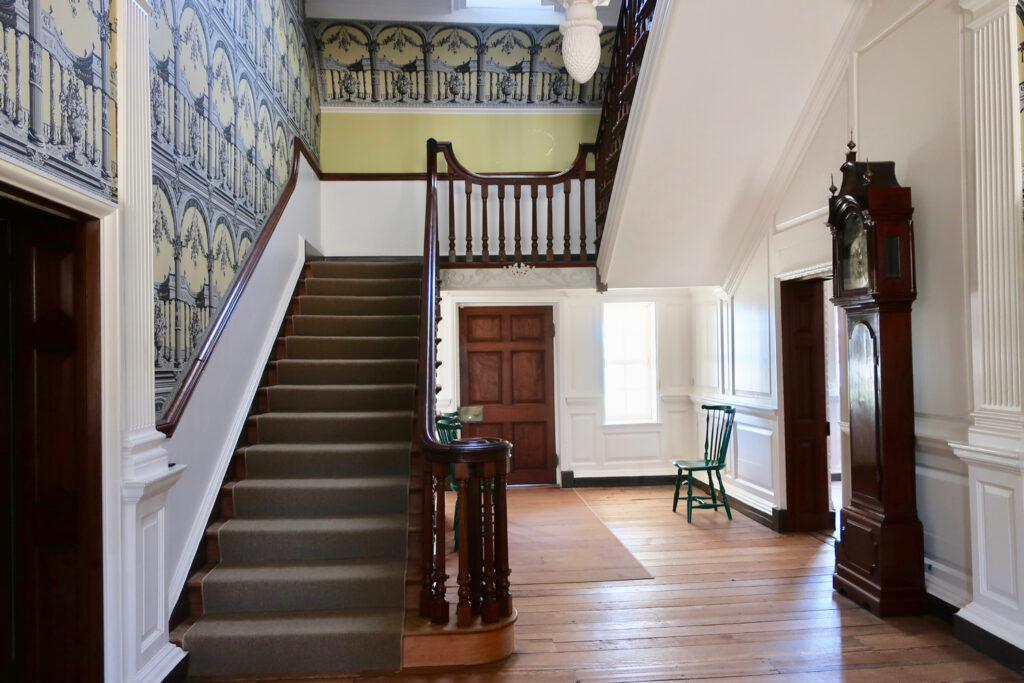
939 608
400 176
528 261
570 481
818 522
179 674
1007 654
169 422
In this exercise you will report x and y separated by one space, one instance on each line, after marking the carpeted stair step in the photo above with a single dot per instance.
339 427
320 497
300 586
337 397
350 347
363 286
346 371
366 269
312 538
355 325
296 642
326 459
359 305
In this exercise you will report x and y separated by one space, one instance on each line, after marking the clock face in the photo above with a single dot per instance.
854 253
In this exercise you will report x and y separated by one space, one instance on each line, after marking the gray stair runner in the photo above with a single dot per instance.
311 578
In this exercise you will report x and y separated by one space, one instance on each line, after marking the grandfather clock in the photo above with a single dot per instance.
880 554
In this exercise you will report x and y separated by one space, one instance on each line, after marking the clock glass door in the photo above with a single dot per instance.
855 253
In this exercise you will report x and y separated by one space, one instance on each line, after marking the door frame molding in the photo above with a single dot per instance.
454 299
819 271
97 371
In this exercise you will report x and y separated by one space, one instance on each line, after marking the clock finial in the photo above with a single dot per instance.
867 172
851 155
851 145
832 188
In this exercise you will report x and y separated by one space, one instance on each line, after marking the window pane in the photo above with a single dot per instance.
629 362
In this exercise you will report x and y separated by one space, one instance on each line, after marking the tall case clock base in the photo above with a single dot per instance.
872 566
880 554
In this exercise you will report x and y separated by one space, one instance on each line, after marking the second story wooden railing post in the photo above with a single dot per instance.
480 466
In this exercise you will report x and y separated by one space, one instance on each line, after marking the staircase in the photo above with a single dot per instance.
306 567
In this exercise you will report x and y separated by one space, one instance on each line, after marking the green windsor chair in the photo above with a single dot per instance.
718 421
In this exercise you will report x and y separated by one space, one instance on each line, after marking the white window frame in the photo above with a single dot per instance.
649 360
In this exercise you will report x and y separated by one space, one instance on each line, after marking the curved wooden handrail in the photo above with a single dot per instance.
176 408
571 172
478 467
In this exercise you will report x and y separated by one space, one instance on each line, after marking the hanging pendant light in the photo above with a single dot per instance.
581 38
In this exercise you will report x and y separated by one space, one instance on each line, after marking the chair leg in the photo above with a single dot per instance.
725 498
711 487
689 497
679 482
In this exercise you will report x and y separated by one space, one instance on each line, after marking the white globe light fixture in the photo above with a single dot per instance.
581 38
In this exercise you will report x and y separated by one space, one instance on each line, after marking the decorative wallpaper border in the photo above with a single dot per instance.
375 64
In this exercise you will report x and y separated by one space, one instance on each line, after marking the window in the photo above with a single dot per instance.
629 360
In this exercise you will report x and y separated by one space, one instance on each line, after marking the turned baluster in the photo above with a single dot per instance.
464 611
567 252
583 213
475 537
439 606
501 222
517 195
451 216
533 224
483 225
469 221
502 592
427 543
550 256
489 608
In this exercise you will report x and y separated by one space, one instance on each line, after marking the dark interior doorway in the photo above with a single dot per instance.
50 441
805 402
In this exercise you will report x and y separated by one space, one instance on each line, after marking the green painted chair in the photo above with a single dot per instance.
449 428
718 421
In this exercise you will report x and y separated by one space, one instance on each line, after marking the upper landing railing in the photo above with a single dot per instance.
494 219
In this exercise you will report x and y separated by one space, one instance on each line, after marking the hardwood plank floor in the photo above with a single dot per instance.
728 601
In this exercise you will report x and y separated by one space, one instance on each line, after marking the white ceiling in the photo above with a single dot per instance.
726 89
446 11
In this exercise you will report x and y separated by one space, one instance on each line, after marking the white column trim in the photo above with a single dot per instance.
994 451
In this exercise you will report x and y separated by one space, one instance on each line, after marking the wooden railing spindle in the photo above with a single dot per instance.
451 216
583 214
428 524
533 224
501 222
502 571
550 255
439 608
489 607
464 611
518 194
483 225
566 228
469 221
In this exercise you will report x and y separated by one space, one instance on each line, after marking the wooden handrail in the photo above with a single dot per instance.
522 248
480 469
633 27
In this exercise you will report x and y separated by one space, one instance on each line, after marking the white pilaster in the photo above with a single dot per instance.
147 654
994 452
144 457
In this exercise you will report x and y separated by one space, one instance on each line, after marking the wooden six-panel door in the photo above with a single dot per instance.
506 365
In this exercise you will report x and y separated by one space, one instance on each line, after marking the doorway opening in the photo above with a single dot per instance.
809 327
50 454
506 367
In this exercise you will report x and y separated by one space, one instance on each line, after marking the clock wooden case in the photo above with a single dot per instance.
880 554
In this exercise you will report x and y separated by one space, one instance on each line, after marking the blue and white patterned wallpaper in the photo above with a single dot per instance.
233 83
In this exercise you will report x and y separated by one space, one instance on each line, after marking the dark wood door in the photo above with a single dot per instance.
49 426
804 407
506 365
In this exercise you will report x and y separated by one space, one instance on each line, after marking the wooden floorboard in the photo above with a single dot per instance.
728 601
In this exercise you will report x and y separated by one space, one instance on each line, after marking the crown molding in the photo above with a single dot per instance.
984 11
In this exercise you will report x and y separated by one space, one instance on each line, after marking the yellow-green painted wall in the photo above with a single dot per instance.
485 143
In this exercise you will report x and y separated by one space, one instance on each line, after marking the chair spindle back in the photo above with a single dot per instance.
718 422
